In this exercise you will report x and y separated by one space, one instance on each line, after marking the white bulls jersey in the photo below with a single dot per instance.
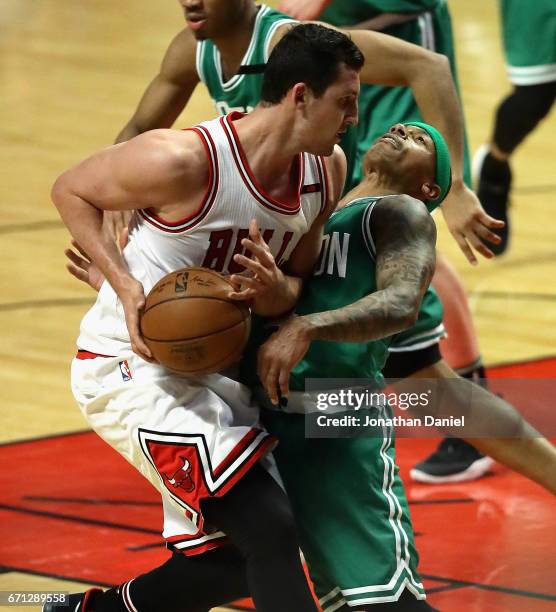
212 235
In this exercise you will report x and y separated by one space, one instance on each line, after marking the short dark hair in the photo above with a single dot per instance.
309 53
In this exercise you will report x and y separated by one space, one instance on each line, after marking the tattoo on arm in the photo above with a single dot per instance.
405 238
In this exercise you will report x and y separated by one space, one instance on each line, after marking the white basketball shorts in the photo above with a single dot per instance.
193 439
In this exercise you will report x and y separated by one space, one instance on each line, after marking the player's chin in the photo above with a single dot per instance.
325 149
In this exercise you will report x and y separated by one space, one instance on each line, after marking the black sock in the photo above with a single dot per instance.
257 517
189 583
264 561
519 114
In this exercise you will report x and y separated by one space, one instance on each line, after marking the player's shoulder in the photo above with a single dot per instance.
394 212
179 151
403 206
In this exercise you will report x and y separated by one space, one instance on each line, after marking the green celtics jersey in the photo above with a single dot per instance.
345 274
342 13
243 90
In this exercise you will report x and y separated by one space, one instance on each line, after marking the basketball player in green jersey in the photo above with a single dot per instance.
428 24
529 34
348 500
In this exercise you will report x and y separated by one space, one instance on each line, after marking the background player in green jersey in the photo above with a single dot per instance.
239 34
426 23
529 33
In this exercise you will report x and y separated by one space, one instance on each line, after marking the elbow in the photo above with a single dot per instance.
410 315
408 311
63 192
441 64
59 191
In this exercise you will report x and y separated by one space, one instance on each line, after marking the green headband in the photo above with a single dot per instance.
443 170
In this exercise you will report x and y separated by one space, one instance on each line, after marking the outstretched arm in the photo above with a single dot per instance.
307 10
405 238
429 76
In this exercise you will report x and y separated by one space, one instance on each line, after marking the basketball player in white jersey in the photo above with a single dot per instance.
195 193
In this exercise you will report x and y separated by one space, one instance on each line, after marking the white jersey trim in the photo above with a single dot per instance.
427 338
532 75
366 230
271 33
426 25
199 55
323 178
188 543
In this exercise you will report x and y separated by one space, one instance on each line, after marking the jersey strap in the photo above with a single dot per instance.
323 178
367 231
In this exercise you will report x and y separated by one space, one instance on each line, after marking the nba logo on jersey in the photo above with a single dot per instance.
124 369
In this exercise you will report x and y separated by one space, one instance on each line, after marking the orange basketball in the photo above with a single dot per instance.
190 325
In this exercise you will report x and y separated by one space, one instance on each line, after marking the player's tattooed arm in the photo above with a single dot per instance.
404 235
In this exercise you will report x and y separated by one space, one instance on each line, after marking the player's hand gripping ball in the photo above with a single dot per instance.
191 326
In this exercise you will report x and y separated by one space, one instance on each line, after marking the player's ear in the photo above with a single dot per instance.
430 191
299 92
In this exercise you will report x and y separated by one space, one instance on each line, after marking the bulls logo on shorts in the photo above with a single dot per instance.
182 477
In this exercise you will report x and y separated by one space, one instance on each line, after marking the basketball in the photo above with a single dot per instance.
191 326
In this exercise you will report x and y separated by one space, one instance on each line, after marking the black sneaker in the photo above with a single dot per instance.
453 461
494 182
76 602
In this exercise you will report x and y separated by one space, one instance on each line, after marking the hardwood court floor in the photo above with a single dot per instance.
71 75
